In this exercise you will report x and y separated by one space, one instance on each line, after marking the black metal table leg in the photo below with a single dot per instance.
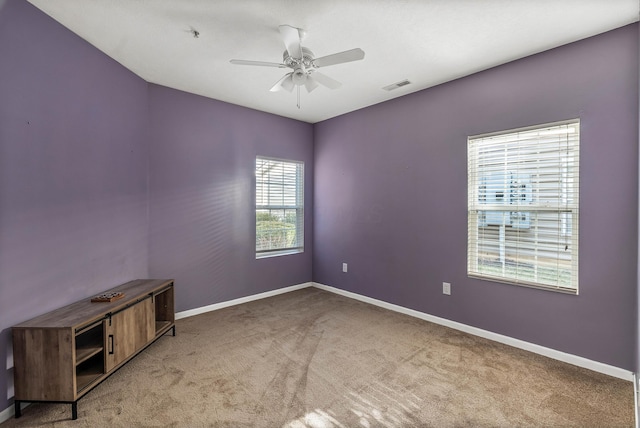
74 410
18 409
174 330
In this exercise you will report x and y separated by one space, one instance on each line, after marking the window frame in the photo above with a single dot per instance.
298 246
476 205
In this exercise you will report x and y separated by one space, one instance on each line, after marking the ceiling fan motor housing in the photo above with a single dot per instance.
306 61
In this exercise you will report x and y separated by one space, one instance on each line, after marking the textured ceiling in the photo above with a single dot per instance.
425 41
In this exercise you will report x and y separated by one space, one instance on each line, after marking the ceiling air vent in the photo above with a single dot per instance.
396 85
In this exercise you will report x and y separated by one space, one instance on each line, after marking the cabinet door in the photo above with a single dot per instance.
127 332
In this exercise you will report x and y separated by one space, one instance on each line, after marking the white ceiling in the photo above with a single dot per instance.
426 41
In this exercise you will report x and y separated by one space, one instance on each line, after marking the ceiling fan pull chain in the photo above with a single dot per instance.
298 86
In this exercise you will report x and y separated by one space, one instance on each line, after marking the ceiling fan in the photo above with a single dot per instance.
303 63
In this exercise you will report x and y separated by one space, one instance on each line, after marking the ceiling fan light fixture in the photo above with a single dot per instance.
285 82
310 83
299 76
303 63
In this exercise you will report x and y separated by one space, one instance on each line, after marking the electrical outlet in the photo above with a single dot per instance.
446 288
344 267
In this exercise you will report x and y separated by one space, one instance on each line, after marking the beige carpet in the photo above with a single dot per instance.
314 359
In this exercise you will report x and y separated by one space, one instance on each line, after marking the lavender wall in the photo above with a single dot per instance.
202 196
104 178
391 188
73 156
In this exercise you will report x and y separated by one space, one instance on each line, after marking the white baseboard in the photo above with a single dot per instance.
516 343
8 413
537 349
216 306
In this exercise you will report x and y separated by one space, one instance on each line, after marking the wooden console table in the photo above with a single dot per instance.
62 355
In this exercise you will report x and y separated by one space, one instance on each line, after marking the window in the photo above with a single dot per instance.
523 206
279 207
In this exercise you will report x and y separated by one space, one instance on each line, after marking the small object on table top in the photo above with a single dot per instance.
108 297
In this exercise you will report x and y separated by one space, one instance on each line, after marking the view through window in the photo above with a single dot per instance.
523 192
279 207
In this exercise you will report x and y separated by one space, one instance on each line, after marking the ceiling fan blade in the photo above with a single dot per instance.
286 82
310 83
325 80
291 38
261 63
340 57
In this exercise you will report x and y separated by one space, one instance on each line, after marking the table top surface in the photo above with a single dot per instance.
84 312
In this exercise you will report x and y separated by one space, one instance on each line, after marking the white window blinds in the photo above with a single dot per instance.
279 207
523 206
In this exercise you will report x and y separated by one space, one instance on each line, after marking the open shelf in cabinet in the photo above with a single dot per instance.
89 370
83 354
89 343
164 310
162 325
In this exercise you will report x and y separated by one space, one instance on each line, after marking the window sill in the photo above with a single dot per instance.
286 252
563 290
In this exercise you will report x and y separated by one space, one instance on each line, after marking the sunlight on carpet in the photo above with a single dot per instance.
388 413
